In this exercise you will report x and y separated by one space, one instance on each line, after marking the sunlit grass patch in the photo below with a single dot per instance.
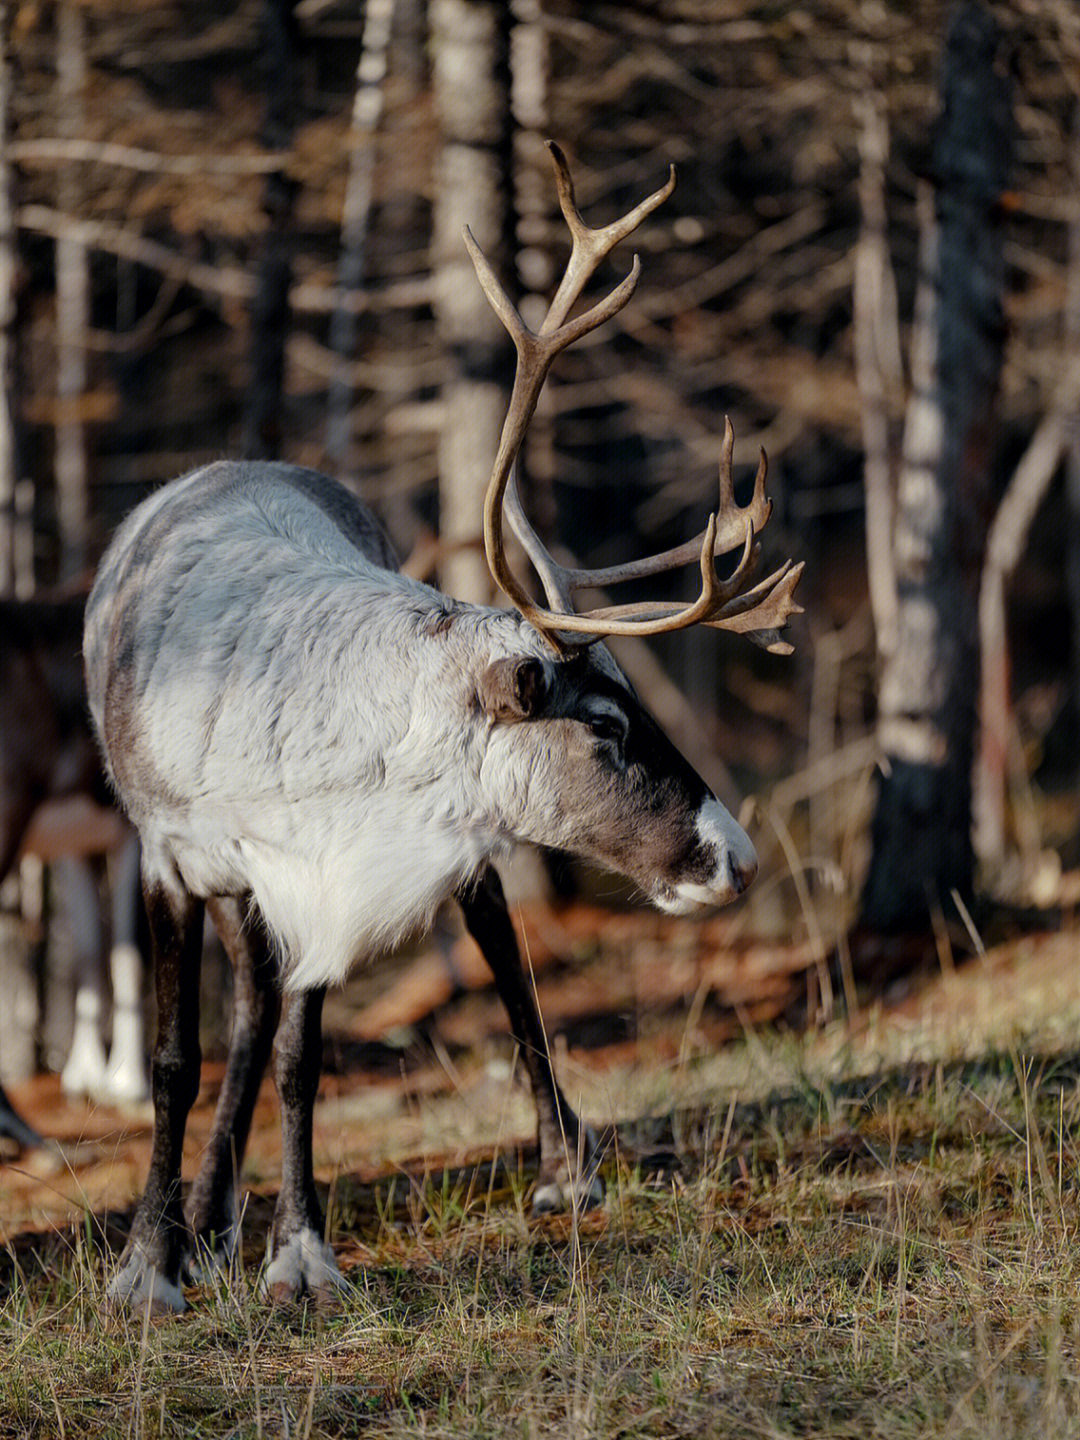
845 1254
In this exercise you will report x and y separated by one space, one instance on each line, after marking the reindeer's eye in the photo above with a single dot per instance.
611 728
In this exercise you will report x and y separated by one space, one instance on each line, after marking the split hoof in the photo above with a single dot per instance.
138 1286
304 1267
567 1186
212 1260
215 1250
555 1196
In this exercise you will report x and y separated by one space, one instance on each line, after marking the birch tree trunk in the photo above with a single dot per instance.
921 836
530 66
469 72
355 222
72 308
471 79
878 367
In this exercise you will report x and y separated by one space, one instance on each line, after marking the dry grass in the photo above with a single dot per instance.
865 1233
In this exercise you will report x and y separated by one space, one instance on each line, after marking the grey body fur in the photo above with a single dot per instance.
376 763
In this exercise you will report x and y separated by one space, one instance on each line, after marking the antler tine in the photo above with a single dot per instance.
727 452
720 592
733 522
759 613
552 575
537 349
763 612
535 353
724 604
589 246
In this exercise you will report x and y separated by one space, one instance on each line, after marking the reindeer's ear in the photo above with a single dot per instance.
512 690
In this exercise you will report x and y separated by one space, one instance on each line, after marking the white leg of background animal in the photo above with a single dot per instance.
126 1079
78 909
122 1075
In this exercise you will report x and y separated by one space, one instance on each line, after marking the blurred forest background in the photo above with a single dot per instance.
235 229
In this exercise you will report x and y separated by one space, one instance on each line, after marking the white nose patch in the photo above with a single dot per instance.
736 863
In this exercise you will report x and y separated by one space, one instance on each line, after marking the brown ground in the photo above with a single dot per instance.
642 1012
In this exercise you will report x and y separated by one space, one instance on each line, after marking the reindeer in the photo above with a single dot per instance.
320 751
48 754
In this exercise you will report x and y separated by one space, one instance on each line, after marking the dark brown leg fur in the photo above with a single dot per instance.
153 1261
212 1206
567 1148
301 1263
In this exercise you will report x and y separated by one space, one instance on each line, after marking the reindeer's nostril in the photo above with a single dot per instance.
741 874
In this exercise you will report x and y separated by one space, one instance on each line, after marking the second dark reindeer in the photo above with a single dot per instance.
48 753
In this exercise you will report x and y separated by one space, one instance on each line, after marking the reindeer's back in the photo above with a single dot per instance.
216 581
235 502
262 687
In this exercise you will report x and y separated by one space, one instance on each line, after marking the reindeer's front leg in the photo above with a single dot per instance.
213 1204
568 1153
301 1262
160 1242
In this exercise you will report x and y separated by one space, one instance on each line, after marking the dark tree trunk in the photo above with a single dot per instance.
9 474
922 846
16 958
270 308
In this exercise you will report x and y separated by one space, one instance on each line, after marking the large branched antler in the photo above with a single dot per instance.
759 612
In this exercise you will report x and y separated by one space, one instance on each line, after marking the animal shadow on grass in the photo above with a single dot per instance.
829 1128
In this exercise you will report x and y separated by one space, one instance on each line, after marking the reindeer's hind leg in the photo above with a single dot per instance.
160 1242
212 1206
567 1147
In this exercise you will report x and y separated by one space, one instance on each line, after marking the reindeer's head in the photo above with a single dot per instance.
579 764
592 772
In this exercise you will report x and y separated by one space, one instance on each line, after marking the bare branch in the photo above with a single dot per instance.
225 281
55 150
